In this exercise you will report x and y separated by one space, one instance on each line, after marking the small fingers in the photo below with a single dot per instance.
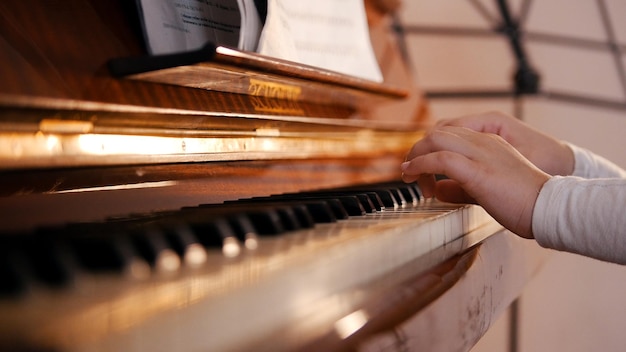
488 122
453 165
446 138
425 181
446 190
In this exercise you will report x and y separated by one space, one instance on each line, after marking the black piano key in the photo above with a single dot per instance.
352 205
398 196
288 218
243 228
224 227
104 252
151 245
244 231
332 203
337 208
343 206
266 222
14 280
408 191
321 212
370 201
179 237
50 261
344 196
217 234
183 241
210 226
305 219
417 191
388 199
366 203
267 217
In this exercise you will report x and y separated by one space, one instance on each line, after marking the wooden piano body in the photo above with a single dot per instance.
79 146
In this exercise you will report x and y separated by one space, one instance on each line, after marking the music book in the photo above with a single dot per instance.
281 50
328 34
182 25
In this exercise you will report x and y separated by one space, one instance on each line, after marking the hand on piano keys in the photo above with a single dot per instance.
481 168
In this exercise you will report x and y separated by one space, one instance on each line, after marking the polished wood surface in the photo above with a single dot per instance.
56 84
61 52
57 88
450 307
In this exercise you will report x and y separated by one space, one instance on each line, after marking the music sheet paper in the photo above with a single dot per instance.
331 34
182 25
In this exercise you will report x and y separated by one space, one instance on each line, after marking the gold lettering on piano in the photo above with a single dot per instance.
263 104
275 97
273 90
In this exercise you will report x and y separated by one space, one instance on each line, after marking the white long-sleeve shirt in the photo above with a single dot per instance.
584 213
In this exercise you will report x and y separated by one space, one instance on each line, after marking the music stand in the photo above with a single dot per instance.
526 79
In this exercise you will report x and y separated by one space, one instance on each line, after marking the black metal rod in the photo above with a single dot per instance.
526 79
610 33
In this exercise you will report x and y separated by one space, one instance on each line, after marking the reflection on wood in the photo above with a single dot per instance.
58 92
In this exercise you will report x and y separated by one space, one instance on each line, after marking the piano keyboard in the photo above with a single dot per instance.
222 277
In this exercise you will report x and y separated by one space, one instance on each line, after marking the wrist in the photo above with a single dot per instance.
568 160
538 184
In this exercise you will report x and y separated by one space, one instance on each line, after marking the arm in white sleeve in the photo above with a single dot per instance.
590 165
584 216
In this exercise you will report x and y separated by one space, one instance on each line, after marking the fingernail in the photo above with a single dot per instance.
404 165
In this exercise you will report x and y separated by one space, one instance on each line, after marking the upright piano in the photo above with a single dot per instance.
225 205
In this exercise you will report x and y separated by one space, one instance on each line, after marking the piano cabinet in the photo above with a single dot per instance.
142 215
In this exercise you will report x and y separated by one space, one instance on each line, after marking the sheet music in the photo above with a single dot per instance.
331 34
182 25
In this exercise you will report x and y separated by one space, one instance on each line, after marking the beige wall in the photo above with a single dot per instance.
575 304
